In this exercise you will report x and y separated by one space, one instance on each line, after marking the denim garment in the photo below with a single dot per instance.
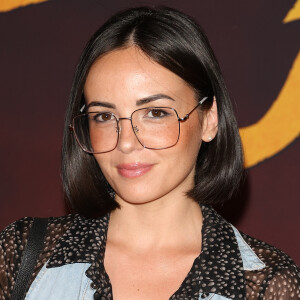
69 282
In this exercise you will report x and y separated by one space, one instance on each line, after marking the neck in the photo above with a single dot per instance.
152 225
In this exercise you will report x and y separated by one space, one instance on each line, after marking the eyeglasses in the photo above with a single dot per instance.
155 128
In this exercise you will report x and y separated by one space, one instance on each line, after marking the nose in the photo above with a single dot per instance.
128 141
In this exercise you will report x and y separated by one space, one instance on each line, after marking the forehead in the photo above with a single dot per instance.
132 74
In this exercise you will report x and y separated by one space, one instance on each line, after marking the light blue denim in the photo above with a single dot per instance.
69 282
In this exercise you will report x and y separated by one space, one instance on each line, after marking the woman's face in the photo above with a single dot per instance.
138 175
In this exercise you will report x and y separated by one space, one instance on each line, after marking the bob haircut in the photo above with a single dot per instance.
175 41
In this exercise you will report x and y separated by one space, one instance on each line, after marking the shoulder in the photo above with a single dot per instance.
279 279
270 255
14 237
16 233
13 240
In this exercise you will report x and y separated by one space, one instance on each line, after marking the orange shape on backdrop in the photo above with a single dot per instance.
7 5
279 126
293 14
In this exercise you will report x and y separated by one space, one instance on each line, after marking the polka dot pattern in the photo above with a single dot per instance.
218 269
13 240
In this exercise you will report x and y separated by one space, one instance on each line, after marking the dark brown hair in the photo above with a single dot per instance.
175 41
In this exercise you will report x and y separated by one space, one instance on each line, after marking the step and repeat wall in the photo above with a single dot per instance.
257 44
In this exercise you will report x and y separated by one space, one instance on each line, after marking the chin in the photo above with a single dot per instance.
132 196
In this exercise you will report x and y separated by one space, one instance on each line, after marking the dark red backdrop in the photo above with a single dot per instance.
39 48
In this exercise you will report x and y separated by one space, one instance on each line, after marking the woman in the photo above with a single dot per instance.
149 135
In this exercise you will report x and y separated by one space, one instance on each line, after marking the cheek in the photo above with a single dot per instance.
180 160
104 162
190 139
189 143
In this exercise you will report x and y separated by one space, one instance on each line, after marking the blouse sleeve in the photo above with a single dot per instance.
13 240
284 285
280 277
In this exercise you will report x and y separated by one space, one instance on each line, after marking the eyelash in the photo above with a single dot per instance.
101 114
165 113
151 110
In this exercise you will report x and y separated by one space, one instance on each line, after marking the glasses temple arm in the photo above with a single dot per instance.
82 108
187 115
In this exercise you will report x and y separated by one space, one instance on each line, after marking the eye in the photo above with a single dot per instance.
157 113
102 117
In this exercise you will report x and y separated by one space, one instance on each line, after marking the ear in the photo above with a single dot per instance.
210 123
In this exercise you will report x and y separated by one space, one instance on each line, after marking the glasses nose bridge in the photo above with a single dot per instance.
125 118
126 141
128 118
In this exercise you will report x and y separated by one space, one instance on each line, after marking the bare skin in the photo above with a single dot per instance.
156 235
151 250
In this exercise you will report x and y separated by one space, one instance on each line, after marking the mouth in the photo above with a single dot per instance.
133 170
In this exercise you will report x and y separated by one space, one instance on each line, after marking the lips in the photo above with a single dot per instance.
134 169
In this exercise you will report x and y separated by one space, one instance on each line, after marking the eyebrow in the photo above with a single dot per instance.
100 103
138 102
153 98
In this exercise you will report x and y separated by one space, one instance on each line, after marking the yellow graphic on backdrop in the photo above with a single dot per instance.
279 126
7 5
293 14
